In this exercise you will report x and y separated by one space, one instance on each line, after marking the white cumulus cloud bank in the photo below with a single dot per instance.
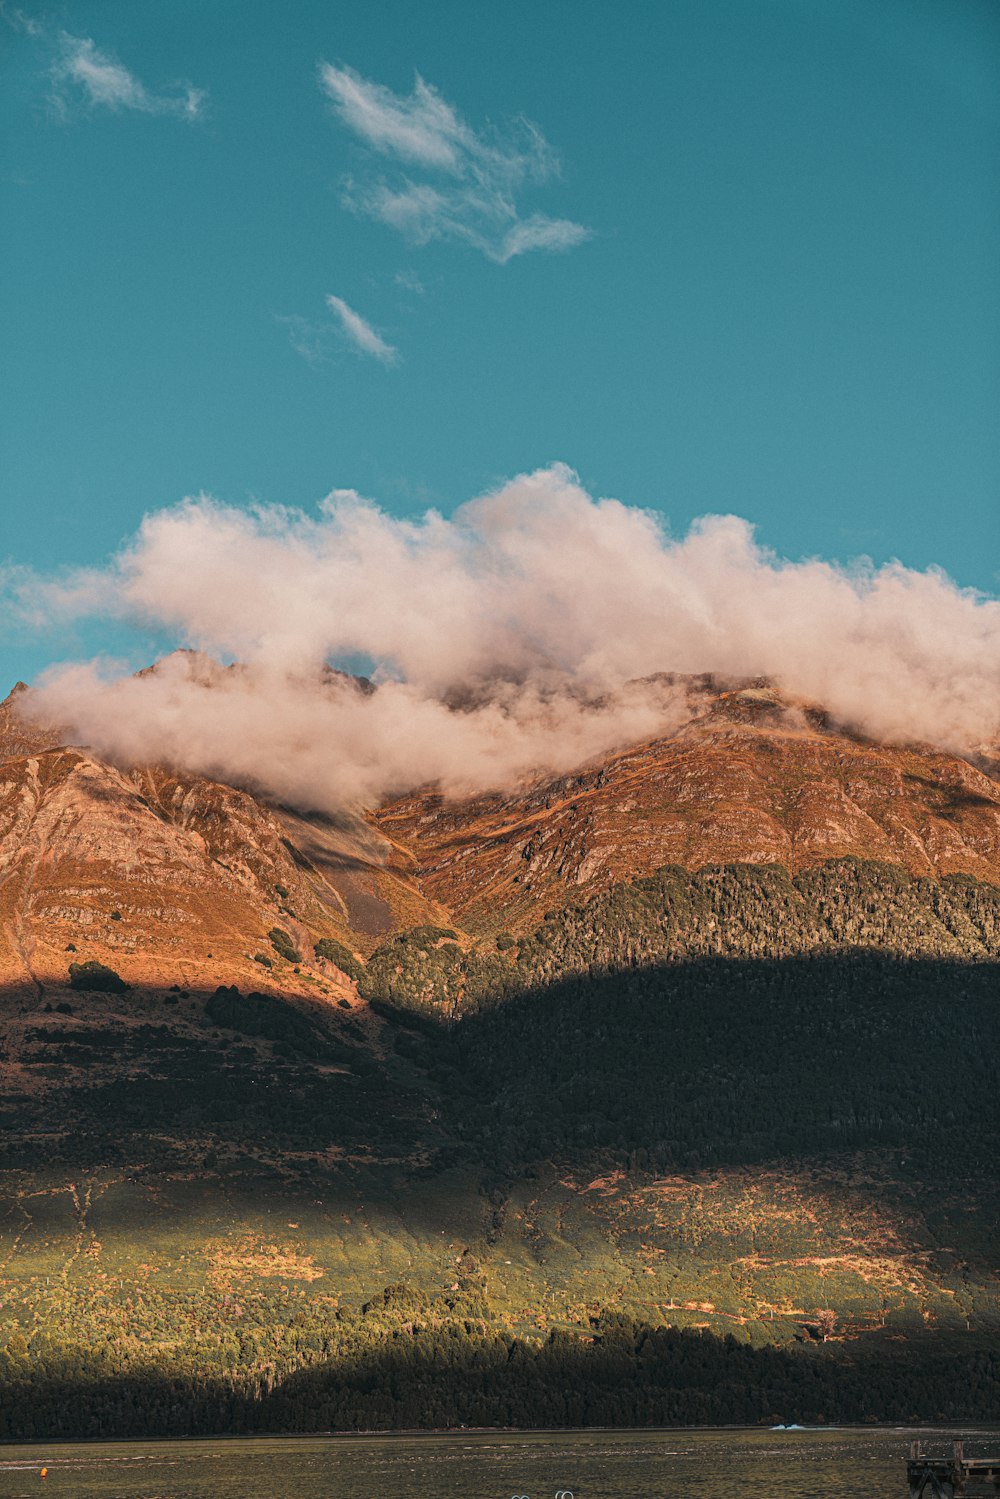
507 640
81 68
450 182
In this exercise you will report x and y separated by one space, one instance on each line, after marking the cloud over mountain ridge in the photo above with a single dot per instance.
511 637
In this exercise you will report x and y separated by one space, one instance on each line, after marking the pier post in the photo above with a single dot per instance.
940 1477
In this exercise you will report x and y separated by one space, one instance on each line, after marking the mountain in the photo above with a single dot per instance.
749 778
665 1090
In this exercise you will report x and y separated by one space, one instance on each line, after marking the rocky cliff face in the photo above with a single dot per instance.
175 879
748 779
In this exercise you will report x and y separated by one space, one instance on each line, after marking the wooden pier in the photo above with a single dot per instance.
943 1477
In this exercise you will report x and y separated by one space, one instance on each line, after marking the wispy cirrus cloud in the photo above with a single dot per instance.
311 340
471 181
81 71
409 281
315 340
19 20
423 128
360 334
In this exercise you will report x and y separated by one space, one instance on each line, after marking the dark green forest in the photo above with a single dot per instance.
357 1374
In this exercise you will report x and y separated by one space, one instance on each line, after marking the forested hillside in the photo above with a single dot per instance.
707 1147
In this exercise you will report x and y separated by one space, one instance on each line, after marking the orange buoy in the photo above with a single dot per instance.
44 1473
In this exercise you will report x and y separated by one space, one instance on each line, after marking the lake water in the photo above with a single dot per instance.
850 1464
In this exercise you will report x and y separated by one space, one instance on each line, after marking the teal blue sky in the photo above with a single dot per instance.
777 292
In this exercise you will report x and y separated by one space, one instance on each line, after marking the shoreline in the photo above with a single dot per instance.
413 1433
